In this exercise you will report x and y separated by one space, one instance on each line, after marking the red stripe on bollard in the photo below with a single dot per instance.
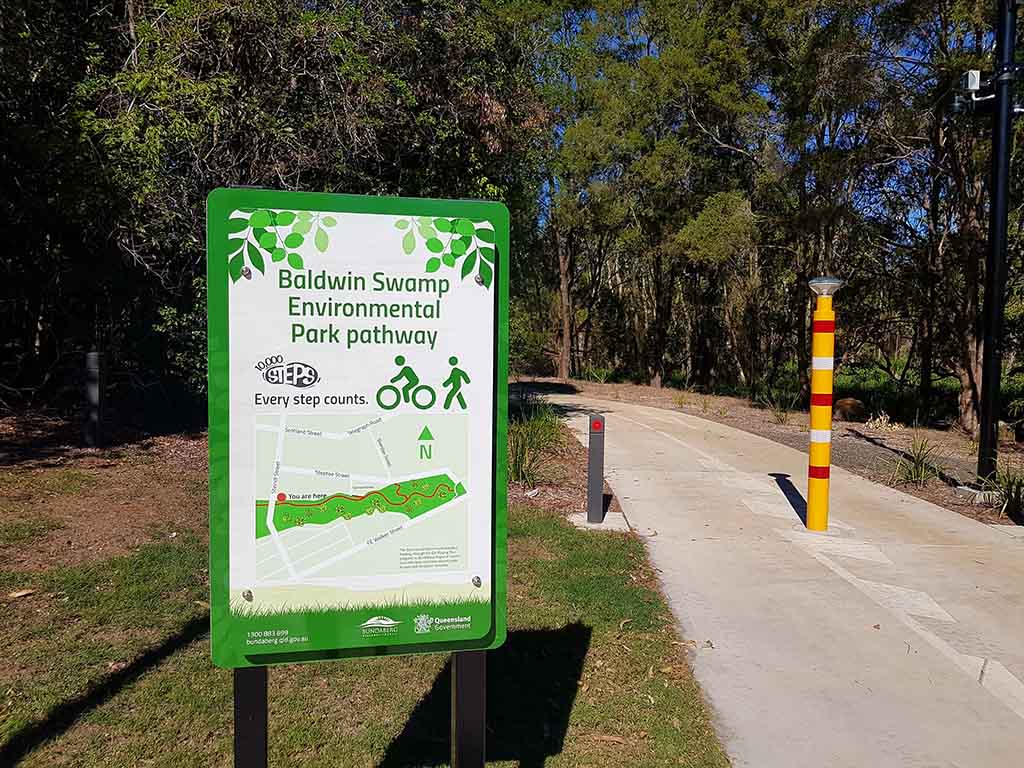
823 326
821 399
818 473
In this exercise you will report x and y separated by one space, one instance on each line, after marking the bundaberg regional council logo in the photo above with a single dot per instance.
379 625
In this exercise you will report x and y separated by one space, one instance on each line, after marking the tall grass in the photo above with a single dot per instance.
1008 486
533 433
918 465
780 403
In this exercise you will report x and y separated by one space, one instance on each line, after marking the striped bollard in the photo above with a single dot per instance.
823 342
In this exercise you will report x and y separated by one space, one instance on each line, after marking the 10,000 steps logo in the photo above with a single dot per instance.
379 625
276 371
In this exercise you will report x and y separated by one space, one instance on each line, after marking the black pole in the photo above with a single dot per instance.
595 470
469 709
94 399
995 266
251 717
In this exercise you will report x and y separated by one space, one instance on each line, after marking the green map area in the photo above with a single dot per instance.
411 498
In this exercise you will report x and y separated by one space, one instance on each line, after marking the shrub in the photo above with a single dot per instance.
1008 485
918 465
780 404
533 433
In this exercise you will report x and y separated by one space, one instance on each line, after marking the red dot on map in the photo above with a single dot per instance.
282 496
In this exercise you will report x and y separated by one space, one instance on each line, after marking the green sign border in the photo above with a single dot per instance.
228 632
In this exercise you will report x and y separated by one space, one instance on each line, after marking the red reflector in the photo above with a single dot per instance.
596 425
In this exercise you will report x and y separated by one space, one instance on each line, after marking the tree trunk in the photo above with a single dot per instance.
565 307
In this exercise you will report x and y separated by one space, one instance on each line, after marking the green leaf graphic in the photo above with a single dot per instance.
260 219
235 264
294 240
268 240
459 247
468 263
255 257
485 235
448 259
305 215
277 254
284 218
237 225
433 264
443 225
330 221
320 240
486 273
434 245
487 253
294 261
427 232
302 226
464 227
409 242
401 224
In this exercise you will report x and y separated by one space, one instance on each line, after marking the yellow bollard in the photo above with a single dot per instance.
823 340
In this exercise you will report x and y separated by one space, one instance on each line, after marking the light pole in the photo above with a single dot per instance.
995 265
819 456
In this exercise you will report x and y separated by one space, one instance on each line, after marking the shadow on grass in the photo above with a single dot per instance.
793 496
532 682
61 717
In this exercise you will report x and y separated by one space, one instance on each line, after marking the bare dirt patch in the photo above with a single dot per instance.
870 453
101 503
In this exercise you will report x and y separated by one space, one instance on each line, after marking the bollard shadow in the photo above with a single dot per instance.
793 496
532 682
606 503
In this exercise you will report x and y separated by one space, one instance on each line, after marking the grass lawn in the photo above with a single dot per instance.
107 663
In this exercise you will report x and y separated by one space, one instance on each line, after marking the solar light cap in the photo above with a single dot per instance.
825 286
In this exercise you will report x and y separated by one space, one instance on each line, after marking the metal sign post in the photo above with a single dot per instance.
251 717
595 470
469 709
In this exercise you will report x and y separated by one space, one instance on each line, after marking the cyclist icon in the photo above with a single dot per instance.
420 395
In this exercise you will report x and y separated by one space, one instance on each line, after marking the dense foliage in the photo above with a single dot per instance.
677 170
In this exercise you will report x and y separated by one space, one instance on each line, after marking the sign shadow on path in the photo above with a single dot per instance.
532 683
793 496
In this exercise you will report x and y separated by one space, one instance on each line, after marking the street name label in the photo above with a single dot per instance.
357 389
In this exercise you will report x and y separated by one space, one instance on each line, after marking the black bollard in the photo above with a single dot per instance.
93 399
595 470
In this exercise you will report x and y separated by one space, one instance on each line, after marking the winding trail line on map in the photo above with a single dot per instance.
404 497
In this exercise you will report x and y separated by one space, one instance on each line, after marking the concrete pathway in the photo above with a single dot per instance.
895 639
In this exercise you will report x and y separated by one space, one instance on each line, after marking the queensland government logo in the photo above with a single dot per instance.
425 623
379 625
276 371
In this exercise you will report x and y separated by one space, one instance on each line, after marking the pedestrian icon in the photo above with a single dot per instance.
454 383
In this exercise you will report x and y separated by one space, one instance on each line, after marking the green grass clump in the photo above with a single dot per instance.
781 405
22 529
918 465
534 431
1008 485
